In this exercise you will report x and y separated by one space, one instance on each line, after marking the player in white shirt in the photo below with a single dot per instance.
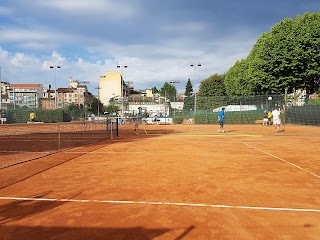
276 119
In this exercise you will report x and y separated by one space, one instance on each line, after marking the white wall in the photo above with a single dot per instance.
151 108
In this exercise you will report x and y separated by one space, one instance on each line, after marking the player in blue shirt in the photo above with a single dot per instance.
221 120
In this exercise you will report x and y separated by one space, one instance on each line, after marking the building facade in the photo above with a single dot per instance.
112 86
24 96
4 98
38 96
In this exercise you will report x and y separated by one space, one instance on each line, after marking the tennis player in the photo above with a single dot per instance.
221 120
265 118
276 120
32 117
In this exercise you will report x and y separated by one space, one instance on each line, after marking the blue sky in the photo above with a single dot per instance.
157 40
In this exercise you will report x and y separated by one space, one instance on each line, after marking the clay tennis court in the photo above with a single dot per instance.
177 182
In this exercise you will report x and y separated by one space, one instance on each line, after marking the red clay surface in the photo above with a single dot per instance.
190 183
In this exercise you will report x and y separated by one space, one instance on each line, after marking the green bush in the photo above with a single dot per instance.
178 119
46 116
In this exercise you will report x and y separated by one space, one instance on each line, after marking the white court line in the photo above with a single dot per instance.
78 152
162 203
281 159
147 153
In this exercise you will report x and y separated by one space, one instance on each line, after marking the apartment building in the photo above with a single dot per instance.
39 96
23 96
112 86
4 88
76 94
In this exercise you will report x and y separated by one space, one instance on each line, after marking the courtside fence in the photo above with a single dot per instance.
302 110
298 109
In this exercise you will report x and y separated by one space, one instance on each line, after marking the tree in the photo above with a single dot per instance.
286 57
110 109
212 86
96 105
188 102
169 91
236 80
210 91
189 88
154 90
72 106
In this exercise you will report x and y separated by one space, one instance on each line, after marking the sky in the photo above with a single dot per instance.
156 40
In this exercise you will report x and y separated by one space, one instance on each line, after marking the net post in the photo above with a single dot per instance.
59 137
111 126
107 125
285 109
117 126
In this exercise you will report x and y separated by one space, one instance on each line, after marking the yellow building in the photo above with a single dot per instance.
112 85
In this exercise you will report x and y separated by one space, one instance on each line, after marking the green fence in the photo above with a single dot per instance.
239 110
246 110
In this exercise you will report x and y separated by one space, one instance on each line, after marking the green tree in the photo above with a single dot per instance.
188 102
111 108
189 88
287 56
169 91
236 80
154 90
96 105
72 106
210 92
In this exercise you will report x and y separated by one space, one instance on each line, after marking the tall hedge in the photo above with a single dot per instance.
46 116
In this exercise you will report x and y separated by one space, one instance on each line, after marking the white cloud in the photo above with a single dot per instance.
35 38
18 34
3 54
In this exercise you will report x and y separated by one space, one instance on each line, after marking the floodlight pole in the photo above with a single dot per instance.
0 97
98 100
174 109
55 84
195 83
122 81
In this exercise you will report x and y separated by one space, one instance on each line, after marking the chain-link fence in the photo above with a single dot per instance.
248 110
296 109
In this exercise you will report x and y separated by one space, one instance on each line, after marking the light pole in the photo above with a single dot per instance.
269 103
195 83
122 79
0 96
174 109
55 84
0 91
98 100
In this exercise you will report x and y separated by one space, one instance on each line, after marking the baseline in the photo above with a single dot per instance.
162 203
